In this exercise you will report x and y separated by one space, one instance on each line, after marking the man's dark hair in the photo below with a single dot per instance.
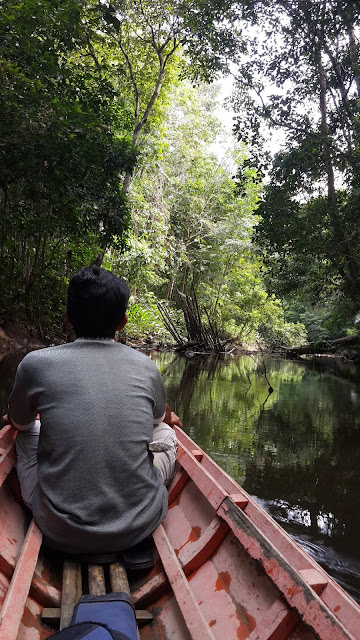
96 302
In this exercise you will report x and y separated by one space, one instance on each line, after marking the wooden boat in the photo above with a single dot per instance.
224 569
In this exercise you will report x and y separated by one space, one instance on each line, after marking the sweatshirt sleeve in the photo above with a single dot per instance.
21 411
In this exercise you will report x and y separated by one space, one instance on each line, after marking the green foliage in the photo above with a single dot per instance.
144 320
60 157
189 225
331 318
154 43
82 85
93 101
300 75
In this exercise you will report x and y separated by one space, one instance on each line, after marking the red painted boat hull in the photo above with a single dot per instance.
224 570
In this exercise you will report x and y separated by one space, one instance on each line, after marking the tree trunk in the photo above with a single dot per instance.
354 54
127 182
328 346
344 248
3 230
221 283
137 130
171 288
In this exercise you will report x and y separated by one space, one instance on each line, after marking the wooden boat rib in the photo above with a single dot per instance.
224 570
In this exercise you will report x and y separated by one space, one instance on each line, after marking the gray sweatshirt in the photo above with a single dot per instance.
97 487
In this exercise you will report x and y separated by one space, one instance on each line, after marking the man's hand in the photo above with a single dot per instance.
5 420
171 418
174 420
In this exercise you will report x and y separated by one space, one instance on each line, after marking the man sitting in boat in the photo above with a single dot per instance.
88 473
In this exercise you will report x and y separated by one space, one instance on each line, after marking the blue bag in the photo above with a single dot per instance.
89 631
106 617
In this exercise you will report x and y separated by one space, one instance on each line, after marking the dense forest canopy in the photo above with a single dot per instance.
302 76
109 123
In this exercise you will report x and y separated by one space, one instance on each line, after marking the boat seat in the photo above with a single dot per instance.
86 575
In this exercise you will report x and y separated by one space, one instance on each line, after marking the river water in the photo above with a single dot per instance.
297 450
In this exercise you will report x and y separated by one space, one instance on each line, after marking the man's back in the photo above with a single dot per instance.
97 399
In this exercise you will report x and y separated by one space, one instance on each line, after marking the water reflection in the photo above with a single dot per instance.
343 566
297 450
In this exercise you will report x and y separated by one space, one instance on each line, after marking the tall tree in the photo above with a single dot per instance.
81 83
302 77
153 42
60 155
190 227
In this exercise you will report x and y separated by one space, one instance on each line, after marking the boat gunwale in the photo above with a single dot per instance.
333 596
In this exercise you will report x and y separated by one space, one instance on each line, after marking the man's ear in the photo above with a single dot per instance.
122 323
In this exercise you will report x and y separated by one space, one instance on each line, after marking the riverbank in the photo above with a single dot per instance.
17 335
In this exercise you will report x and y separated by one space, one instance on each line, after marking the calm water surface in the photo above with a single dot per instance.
297 451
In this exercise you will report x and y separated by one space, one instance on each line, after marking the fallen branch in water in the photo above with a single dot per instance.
325 346
262 363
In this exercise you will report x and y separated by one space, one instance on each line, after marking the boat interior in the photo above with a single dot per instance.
223 568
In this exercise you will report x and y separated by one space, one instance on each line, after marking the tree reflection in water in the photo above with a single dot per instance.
297 450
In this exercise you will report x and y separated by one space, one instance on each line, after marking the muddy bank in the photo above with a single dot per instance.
18 336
